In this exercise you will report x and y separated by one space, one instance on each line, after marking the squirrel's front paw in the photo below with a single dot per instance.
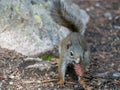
61 82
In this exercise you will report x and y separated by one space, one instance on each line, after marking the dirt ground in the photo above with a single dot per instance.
103 37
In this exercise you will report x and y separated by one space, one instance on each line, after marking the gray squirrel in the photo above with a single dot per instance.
73 48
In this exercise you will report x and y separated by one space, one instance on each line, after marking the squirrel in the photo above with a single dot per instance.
73 48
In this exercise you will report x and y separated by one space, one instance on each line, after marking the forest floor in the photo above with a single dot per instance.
103 37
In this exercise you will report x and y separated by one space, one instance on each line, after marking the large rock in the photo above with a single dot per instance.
26 26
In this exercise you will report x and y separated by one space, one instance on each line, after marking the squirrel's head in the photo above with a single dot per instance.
75 49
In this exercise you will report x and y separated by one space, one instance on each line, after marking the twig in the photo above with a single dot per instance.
38 81
47 81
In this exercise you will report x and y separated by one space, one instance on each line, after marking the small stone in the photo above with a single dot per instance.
116 75
52 73
11 83
52 84
108 15
76 86
112 64
39 88
92 8
0 85
88 9
11 76
116 27
97 4
119 68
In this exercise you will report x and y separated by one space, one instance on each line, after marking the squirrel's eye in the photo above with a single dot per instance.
71 53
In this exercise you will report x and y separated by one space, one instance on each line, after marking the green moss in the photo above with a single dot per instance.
47 57
9 6
41 5
23 0
38 18
17 8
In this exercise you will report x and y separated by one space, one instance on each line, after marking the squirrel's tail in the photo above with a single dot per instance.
69 15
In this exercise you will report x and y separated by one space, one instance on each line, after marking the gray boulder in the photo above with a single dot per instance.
26 26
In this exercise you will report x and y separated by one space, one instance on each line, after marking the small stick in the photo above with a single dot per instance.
50 80
38 81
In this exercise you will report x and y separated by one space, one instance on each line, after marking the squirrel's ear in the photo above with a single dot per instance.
68 44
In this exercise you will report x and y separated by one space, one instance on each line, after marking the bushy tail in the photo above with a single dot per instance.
67 14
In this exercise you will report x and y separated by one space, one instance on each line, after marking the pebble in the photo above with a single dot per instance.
112 64
116 75
52 73
90 8
76 86
52 84
97 4
0 85
11 76
39 88
11 83
116 27
108 15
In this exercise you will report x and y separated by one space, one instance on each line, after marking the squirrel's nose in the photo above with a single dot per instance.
77 60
